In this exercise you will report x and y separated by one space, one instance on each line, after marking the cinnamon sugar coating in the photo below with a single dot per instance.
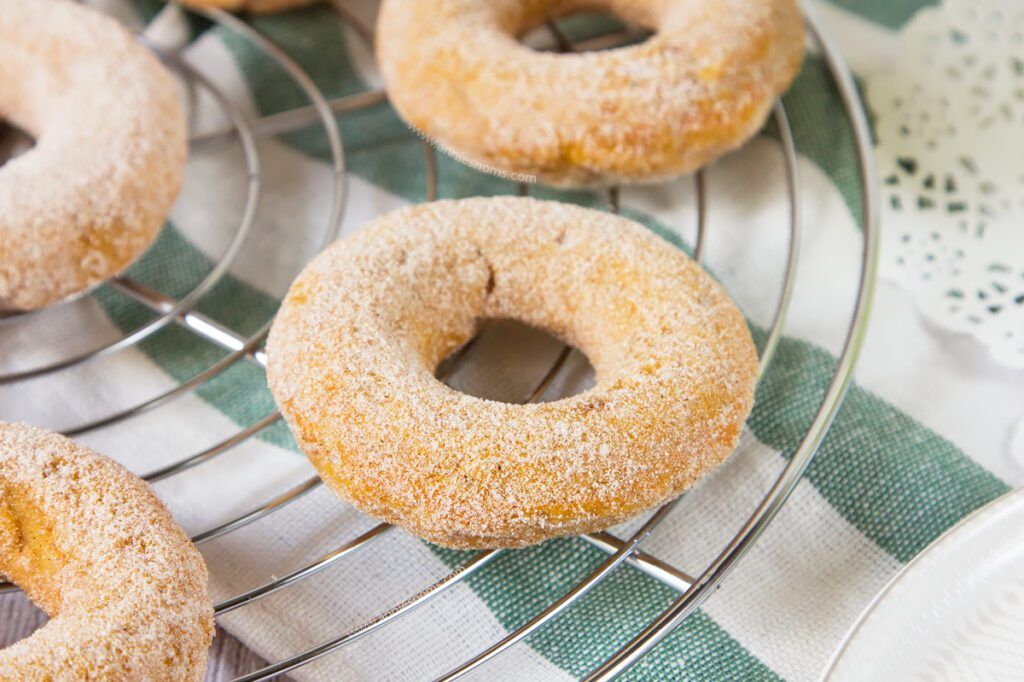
109 150
92 546
699 87
353 350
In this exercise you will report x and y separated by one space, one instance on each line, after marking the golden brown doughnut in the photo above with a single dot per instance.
353 350
95 189
699 87
91 545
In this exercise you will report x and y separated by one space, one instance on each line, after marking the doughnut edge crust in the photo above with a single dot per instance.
110 150
93 547
699 87
353 348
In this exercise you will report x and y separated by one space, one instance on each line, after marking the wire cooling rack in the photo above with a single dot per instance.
182 311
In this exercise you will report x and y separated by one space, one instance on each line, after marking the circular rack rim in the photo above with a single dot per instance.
693 591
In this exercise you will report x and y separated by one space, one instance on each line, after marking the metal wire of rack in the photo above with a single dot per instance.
181 311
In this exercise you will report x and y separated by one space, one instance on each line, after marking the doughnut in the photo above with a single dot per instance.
353 349
255 6
109 151
90 544
699 87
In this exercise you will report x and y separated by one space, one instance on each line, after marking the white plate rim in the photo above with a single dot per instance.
979 515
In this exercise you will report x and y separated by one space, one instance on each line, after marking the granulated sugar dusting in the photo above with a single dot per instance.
353 350
109 153
699 87
91 545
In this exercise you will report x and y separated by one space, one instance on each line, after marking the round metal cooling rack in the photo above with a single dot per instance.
693 590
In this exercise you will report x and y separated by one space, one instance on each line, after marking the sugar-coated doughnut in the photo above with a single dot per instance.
699 87
91 545
353 350
109 150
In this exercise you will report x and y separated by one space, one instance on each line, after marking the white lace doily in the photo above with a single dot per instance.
950 127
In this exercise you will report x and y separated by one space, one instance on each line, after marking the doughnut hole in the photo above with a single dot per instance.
29 618
511 359
13 142
585 27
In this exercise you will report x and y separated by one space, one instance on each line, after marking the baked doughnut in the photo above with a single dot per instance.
92 546
354 346
109 150
256 6
699 87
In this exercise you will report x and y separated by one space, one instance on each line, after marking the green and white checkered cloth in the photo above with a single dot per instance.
920 442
